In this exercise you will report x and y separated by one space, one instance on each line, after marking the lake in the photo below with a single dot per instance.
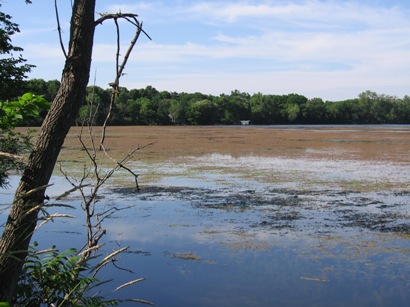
249 215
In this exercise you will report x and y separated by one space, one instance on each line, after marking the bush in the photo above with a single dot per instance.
51 278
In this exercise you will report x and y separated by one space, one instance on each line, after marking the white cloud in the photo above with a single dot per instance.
329 85
129 8
43 52
309 14
306 46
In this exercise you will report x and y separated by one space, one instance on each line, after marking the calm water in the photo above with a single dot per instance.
256 242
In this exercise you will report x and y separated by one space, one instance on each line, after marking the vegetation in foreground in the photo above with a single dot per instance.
55 278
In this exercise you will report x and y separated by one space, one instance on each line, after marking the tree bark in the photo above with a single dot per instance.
22 218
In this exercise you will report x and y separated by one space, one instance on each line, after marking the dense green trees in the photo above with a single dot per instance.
14 109
13 67
148 106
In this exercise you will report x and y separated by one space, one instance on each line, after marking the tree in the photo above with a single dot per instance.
295 107
177 111
266 109
147 111
400 112
233 108
96 102
293 111
64 110
12 74
315 112
203 112
13 69
13 144
163 111
40 87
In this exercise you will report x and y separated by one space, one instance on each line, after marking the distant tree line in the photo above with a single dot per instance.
148 106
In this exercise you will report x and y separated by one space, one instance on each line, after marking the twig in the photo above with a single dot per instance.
123 269
51 217
126 16
108 259
129 283
140 301
32 191
135 175
59 29
119 68
12 157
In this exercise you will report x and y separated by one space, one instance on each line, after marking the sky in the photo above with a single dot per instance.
331 49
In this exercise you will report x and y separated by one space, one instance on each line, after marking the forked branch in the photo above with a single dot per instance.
115 86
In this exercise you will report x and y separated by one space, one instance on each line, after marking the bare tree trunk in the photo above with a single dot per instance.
24 211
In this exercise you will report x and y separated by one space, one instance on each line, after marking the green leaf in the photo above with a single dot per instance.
27 96
8 110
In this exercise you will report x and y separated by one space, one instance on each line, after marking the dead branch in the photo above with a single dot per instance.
131 172
129 283
95 172
51 217
12 157
59 29
140 301
66 193
132 18
108 259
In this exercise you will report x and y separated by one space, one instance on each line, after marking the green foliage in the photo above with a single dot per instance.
203 112
13 69
57 279
13 143
48 89
13 72
148 106
21 110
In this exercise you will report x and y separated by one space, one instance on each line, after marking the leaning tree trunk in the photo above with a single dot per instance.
22 218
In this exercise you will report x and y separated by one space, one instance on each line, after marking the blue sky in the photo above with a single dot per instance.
329 49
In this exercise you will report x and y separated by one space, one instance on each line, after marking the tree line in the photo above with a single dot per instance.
148 106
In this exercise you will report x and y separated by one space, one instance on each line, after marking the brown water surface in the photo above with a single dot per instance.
254 215
378 143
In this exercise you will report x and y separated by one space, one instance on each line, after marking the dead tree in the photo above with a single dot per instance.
64 110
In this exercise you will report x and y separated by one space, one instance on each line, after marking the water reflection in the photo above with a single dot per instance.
251 242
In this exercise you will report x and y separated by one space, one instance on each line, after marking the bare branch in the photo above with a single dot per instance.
117 56
140 301
66 193
51 218
108 259
90 249
59 30
23 195
130 171
132 18
12 157
95 170
129 283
